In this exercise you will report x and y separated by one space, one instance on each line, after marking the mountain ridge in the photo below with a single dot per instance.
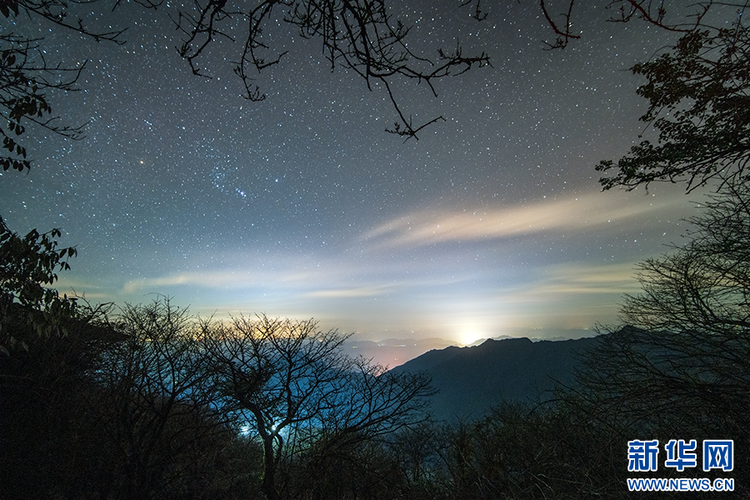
471 380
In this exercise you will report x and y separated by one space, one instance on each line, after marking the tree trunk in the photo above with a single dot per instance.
269 470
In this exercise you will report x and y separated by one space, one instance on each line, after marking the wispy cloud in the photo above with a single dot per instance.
577 279
208 279
351 292
575 214
564 295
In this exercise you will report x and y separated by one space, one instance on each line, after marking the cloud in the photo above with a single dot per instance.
351 293
565 280
575 214
328 278
210 279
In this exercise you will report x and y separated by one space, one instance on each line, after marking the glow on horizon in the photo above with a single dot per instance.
470 335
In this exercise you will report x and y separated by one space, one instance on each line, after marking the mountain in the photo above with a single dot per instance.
471 380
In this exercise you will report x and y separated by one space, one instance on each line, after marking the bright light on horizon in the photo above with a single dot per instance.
470 335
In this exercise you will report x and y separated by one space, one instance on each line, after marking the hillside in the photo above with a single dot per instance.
470 380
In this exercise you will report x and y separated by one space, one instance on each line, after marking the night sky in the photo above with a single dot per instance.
491 223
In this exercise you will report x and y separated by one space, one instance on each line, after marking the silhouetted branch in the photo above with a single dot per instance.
564 34
358 34
651 11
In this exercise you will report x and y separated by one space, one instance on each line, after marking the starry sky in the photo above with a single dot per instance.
492 223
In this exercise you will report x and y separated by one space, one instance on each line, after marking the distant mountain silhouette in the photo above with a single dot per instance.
471 380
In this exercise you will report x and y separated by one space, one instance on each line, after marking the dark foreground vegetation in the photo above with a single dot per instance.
148 402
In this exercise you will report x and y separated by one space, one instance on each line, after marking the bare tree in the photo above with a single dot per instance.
683 361
157 406
292 384
359 35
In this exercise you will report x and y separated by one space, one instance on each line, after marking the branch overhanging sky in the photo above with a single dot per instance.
302 206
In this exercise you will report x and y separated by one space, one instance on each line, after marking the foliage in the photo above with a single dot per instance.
679 370
148 404
50 437
23 83
700 106
703 285
115 409
697 92
27 265
50 442
331 469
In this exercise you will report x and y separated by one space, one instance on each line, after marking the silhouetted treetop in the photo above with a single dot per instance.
699 103
28 264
